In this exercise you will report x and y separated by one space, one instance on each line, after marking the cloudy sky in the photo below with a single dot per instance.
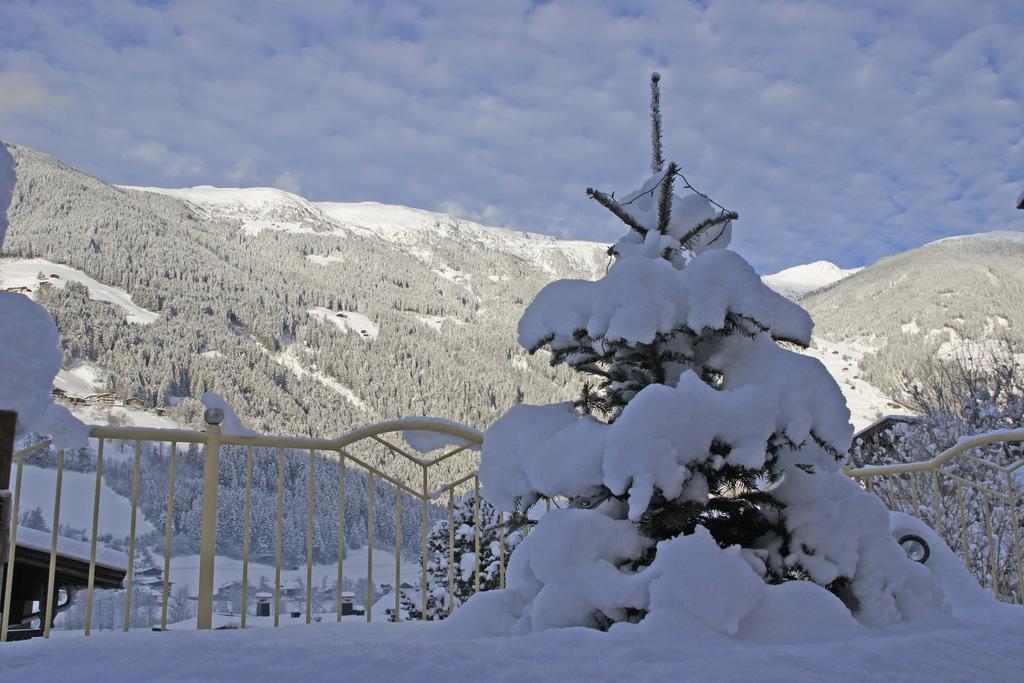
841 131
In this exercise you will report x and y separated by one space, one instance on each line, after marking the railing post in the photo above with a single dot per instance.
8 421
208 537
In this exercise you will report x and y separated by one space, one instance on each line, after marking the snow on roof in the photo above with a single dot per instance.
69 547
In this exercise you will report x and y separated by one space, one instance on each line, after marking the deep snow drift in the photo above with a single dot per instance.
980 642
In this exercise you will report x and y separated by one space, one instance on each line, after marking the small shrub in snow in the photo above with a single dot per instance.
463 573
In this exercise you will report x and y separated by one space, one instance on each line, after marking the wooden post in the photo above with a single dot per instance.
8 420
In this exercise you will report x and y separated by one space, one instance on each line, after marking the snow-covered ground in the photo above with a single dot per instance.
257 208
437 321
979 641
185 569
408 226
347 320
980 648
842 360
324 260
799 280
291 359
25 273
81 379
38 486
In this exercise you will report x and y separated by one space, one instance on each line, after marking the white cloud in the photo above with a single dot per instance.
22 92
289 182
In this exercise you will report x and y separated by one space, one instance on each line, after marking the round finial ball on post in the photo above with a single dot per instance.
655 76
213 416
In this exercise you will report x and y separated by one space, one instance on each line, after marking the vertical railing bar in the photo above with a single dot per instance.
1015 530
423 546
167 540
993 563
501 550
131 537
476 534
915 496
547 501
245 534
95 534
398 554
9 573
277 547
889 490
964 540
50 597
369 545
341 528
451 550
940 526
309 536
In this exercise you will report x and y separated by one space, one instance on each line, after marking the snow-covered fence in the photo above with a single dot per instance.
440 460
972 495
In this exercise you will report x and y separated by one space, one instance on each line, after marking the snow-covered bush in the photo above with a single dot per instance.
30 352
463 556
702 465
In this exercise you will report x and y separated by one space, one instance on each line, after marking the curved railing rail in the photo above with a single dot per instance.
371 450
973 501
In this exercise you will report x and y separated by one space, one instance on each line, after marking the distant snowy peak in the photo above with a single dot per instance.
257 208
265 208
797 281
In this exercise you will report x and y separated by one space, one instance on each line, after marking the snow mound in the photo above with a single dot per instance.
232 424
699 296
30 358
427 440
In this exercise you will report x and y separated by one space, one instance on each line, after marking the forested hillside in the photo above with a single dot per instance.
952 296
310 326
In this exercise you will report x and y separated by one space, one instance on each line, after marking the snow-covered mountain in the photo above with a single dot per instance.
413 230
801 280
955 294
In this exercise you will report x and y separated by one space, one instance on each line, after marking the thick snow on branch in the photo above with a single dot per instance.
428 440
642 297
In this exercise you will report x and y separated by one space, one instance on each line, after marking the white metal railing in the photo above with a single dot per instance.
973 501
371 450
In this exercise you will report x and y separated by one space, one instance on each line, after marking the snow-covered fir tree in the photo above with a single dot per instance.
461 582
702 459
